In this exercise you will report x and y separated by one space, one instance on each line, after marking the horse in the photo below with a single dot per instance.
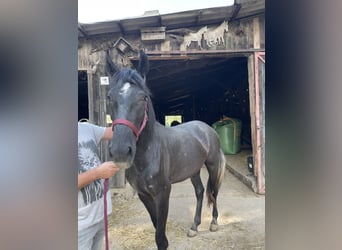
194 37
216 36
155 156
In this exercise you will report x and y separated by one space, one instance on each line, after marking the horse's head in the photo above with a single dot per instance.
128 101
225 26
203 30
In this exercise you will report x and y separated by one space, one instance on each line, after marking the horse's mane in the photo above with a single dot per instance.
129 75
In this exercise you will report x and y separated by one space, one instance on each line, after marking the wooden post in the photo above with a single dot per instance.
102 115
90 96
256 32
260 118
118 181
251 81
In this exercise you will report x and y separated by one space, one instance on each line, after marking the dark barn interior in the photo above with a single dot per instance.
83 102
201 88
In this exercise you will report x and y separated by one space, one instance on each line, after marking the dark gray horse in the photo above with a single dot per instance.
157 156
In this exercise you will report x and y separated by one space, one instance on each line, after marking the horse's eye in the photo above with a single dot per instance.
108 97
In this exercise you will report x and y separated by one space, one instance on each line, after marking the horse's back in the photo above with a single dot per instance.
190 145
198 130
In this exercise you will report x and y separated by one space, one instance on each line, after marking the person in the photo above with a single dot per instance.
91 175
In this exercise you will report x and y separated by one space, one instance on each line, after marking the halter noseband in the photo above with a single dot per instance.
131 125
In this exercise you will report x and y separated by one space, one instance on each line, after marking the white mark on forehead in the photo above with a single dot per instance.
125 88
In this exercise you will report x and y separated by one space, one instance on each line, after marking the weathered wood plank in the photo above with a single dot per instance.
256 33
251 82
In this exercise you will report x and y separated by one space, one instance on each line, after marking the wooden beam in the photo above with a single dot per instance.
198 18
197 54
237 7
122 30
80 28
160 21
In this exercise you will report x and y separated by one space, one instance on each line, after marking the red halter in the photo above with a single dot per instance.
131 125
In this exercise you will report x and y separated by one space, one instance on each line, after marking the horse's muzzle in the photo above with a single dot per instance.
122 154
122 165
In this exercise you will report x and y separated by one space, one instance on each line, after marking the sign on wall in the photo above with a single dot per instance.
104 80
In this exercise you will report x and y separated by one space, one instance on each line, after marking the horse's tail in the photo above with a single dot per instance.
215 180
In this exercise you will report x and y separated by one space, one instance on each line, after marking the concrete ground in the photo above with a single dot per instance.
237 165
241 218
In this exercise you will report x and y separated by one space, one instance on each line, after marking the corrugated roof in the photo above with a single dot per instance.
185 19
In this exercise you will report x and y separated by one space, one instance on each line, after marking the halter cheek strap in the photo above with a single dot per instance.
131 125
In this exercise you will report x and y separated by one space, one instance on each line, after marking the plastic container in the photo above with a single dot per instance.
229 131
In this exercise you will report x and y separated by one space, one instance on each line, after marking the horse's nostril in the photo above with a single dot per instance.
129 152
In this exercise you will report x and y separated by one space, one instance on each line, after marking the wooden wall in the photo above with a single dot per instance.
246 33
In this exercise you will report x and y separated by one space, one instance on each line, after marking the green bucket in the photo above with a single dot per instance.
229 132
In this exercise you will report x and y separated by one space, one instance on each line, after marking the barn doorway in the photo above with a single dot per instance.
83 102
201 87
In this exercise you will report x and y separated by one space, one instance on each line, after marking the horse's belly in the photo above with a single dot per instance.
183 167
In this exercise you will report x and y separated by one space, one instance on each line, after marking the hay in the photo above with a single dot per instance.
136 230
133 236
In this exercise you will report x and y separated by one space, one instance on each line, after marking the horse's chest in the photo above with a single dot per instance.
145 182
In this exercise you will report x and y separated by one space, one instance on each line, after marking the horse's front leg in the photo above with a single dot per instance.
199 190
162 209
150 206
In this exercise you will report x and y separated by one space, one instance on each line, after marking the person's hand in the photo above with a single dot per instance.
106 170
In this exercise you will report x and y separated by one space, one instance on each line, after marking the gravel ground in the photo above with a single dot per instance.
241 219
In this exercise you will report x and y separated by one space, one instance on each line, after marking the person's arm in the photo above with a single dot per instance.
86 178
103 171
108 134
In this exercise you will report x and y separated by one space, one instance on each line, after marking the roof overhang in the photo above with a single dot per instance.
185 19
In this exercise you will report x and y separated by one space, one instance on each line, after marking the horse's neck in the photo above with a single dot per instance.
145 146
148 133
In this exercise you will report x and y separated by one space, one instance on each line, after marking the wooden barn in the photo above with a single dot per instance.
205 64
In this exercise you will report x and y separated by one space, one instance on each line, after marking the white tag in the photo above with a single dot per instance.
104 80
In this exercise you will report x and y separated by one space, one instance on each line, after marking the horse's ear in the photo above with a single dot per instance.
144 65
110 66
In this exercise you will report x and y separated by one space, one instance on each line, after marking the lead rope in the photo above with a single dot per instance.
105 211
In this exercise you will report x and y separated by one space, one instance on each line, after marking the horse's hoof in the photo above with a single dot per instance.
192 233
213 227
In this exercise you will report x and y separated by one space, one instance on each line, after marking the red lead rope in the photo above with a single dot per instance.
105 190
